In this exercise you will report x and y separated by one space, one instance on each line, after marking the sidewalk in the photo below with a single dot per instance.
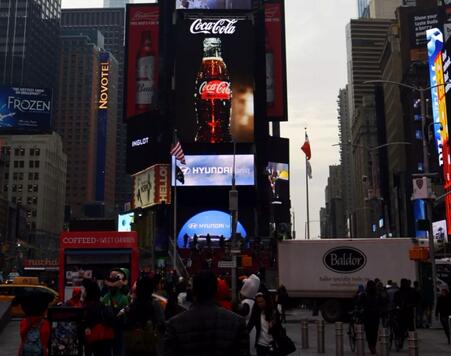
432 342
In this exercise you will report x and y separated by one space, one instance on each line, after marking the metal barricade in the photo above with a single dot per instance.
359 340
304 334
320 336
339 349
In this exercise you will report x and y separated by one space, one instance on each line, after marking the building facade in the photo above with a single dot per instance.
29 33
111 23
335 220
34 177
87 79
114 3
383 9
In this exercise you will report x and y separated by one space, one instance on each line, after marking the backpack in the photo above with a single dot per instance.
32 345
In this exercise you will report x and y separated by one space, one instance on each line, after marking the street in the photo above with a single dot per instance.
432 342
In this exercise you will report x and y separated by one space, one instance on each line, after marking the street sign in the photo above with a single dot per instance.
227 264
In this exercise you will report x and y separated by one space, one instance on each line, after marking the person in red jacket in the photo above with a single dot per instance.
34 328
75 301
223 296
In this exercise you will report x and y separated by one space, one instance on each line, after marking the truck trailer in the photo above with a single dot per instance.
326 273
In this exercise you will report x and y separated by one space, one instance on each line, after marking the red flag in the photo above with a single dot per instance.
306 147
177 152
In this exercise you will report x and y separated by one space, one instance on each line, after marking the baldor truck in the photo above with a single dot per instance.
326 273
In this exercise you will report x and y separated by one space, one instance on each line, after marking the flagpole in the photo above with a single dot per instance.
307 200
174 252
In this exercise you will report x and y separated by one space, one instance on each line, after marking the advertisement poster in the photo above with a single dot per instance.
216 170
212 222
439 231
278 177
214 77
275 62
419 22
25 108
151 187
213 4
142 51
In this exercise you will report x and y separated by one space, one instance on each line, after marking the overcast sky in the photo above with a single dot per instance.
316 57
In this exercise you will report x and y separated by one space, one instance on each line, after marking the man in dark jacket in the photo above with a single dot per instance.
443 310
206 329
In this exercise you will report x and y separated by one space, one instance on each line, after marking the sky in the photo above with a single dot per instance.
316 63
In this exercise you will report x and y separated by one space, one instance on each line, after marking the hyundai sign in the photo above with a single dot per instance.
25 109
213 222
210 170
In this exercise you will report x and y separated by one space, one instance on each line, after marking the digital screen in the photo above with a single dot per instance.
142 52
25 109
213 222
439 231
125 221
214 77
278 177
275 61
216 170
213 4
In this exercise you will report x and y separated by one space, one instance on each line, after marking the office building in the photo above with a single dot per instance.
34 177
362 8
115 3
335 214
383 9
111 23
85 116
29 33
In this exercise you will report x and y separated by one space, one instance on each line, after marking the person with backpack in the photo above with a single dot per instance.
98 322
34 328
143 321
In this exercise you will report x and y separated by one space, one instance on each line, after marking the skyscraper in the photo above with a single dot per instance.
111 23
362 8
114 3
85 116
29 33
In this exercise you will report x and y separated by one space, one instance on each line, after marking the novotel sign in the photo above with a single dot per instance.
104 80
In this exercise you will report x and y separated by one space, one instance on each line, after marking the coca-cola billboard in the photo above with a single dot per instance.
214 77
142 50
213 4
276 88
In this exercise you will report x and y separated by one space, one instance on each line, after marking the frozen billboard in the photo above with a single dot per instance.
25 109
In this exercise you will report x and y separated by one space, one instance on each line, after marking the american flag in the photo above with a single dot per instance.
177 152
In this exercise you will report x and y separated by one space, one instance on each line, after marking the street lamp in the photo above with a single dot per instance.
426 172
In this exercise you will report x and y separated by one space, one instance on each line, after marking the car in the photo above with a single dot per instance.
8 292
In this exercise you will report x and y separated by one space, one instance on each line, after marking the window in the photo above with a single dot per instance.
35 188
16 164
29 201
31 164
21 164
19 188
36 176
30 188
31 151
16 152
6 176
20 175
33 213
30 175
36 164
35 200
15 175
37 151
13 199
5 188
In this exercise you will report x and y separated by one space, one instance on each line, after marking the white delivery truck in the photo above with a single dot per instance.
326 273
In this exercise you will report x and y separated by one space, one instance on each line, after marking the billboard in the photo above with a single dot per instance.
25 109
438 71
214 77
216 170
213 222
142 51
421 21
439 231
213 4
125 221
278 177
276 88
145 143
151 187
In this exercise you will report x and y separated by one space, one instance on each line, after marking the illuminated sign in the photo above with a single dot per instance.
25 108
212 222
140 142
439 63
125 221
104 81
217 170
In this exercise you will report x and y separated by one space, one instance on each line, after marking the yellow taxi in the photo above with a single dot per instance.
21 286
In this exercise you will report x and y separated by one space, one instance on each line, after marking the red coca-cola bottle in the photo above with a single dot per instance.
145 74
213 96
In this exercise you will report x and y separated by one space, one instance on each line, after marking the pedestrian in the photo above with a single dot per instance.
75 300
208 240
221 242
143 321
265 320
223 295
405 301
443 311
185 240
34 328
419 310
371 311
98 323
206 329
282 302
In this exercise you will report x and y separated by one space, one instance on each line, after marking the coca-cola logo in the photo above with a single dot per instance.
141 15
215 89
219 27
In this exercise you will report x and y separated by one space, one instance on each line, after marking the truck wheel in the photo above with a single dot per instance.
332 310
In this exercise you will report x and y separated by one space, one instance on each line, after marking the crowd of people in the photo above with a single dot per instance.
164 314
402 308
